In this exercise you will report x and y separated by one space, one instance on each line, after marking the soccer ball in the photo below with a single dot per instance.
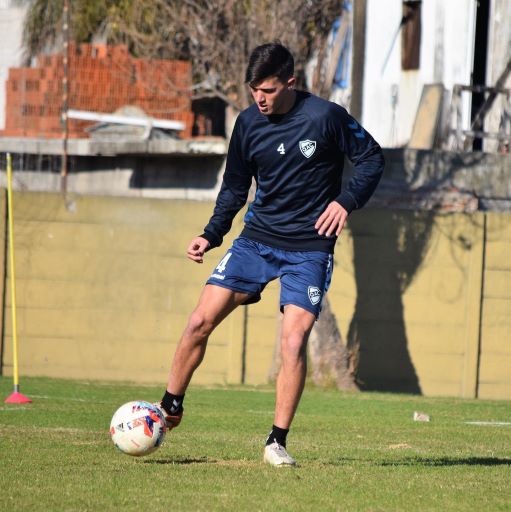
138 428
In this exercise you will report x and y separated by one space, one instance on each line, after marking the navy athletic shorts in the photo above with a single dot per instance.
248 266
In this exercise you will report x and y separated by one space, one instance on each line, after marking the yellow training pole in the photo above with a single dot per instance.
15 397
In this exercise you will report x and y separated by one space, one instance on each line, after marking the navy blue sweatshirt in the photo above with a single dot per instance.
297 161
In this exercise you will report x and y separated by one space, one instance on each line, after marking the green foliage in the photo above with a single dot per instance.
87 18
42 25
356 452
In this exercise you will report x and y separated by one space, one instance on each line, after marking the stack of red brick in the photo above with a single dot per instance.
101 79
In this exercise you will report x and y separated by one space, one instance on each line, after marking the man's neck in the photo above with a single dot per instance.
288 104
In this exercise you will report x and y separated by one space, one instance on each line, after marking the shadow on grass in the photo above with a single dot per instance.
448 461
422 461
428 462
201 460
183 462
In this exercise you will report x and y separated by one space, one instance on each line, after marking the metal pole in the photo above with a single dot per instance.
357 64
16 396
15 373
65 98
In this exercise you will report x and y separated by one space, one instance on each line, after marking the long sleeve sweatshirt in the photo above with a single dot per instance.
297 161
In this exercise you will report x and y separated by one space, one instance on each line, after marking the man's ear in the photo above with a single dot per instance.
291 83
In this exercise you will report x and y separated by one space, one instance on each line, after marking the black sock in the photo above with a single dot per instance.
173 404
277 435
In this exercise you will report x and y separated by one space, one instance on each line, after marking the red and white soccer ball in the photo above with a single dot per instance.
138 428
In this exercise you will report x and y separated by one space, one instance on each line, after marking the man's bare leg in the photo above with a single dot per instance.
215 303
296 327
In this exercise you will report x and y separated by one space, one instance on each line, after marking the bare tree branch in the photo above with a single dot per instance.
217 36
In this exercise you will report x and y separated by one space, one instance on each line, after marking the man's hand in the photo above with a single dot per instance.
332 220
198 246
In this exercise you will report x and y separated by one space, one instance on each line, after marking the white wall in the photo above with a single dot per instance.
11 30
499 53
448 29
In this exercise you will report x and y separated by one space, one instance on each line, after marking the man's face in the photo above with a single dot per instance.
273 96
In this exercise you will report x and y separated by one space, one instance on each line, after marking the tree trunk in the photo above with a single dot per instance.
330 361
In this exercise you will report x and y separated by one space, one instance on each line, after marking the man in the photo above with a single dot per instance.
293 144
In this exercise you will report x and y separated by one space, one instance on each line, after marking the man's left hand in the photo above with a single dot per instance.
332 220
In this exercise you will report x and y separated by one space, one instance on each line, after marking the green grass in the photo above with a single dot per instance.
356 452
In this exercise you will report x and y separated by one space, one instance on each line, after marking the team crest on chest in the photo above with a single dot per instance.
307 147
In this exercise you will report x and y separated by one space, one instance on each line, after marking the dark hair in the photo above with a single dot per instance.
267 60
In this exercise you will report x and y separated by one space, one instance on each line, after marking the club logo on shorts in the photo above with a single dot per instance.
314 294
307 147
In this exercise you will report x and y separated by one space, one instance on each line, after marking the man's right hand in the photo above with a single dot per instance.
198 246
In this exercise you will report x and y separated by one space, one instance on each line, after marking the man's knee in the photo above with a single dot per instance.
296 326
199 326
293 345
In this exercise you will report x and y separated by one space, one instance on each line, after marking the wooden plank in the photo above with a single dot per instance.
427 119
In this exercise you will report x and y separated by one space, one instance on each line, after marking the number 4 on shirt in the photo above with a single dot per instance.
281 149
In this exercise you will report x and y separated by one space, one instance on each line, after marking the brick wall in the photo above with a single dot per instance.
101 79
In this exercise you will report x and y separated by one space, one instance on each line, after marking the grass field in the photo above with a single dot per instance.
356 452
